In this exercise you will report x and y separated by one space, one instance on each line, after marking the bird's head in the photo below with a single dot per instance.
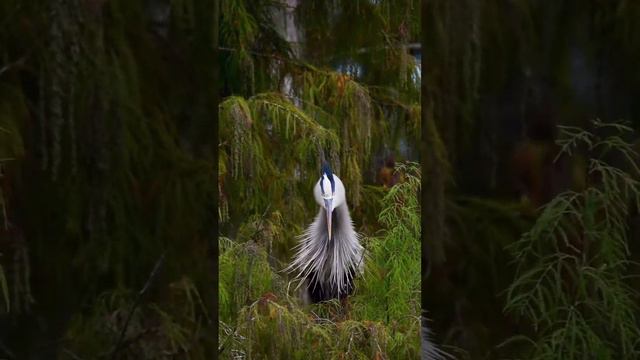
329 193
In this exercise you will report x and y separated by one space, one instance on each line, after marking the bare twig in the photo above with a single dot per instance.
70 353
16 63
144 289
6 351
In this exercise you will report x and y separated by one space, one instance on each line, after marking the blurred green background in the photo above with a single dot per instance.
500 79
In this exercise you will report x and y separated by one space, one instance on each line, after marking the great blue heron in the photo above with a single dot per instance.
329 253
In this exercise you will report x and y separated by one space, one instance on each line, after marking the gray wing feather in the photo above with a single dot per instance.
429 350
330 262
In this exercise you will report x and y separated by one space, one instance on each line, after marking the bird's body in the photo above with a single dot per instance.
329 253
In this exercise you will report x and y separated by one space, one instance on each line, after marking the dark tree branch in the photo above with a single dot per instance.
16 63
144 289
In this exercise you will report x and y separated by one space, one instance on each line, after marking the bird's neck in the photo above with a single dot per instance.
337 216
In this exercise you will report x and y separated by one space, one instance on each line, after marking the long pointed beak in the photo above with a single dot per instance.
328 206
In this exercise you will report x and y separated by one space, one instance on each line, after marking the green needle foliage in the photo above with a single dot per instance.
261 316
390 290
573 266
336 83
391 285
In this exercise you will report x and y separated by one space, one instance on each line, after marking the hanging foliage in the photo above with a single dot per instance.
570 283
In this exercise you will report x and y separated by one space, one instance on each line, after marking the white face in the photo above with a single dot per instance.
337 198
